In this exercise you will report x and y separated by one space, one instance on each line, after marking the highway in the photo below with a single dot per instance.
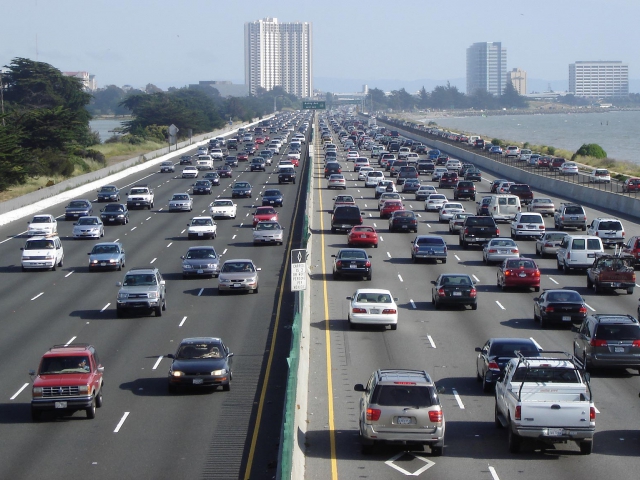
443 344
142 431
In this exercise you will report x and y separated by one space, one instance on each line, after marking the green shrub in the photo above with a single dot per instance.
496 141
591 150
551 150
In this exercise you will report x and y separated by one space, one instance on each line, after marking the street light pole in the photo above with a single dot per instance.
2 97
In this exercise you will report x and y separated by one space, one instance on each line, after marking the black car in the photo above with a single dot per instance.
109 193
454 289
78 208
224 171
345 217
286 175
403 220
231 161
213 177
241 189
250 149
496 353
421 148
559 306
464 189
202 187
114 213
258 164
185 160
352 262
272 197
331 168
201 362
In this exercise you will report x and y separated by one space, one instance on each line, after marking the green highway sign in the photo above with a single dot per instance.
314 105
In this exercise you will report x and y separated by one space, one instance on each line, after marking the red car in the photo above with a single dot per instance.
224 171
631 185
259 140
264 214
295 161
518 272
543 162
242 157
389 207
361 236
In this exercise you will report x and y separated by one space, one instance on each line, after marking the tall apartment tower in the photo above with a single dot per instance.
599 79
486 67
278 54
519 80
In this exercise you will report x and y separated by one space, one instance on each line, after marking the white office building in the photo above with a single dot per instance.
599 79
486 67
278 54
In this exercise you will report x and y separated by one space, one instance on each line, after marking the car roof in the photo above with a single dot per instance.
200 339
401 375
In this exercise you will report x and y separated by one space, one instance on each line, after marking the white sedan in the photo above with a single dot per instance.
372 306
223 208
569 168
351 156
600 175
189 172
202 227
88 227
448 210
43 224
362 173
434 202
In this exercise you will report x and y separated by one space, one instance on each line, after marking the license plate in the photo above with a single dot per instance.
197 381
200 271
555 432
103 264
353 265
617 285
363 236
522 275
574 218
60 405
404 226
618 349
503 251
375 311
237 285
566 318
404 420
137 204
271 201
457 294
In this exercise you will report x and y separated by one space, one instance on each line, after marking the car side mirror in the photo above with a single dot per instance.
433 282
478 349
171 355
440 389
230 355
358 387
535 299
182 257
100 369
349 298
118 284
332 256
32 373
163 282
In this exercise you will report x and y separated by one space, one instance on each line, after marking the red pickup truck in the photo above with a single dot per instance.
68 379
612 272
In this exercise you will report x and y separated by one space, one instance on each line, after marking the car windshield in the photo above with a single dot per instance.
574 211
610 225
403 396
546 375
201 183
77 204
363 229
265 211
236 267
554 236
137 279
142 191
565 296
403 214
167 163
41 220
618 332
87 221
108 189
268 226
113 208
352 255
201 221
531 219
69 364
39 245
223 203
242 185
542 200
105 249
200 350
180 197
199 253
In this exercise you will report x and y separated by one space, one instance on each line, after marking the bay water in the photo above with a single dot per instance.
104 126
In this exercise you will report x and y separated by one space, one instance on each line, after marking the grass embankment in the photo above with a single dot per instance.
113 152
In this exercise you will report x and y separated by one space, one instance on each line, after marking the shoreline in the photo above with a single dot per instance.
504 113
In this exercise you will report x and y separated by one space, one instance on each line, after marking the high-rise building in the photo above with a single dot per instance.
518 79
600 79
486 67
278 54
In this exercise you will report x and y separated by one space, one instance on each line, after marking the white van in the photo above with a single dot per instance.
472 140
504 208
204 162
578 251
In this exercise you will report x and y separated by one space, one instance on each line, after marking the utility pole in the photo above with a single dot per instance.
2 97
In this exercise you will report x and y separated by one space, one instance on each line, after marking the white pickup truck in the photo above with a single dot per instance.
546 399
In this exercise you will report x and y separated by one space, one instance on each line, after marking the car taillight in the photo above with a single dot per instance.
519 226
507 273
390 311
367 264
358 310
568 255
493 366
373 414
518 412
541 227
583 310
514 250
492 250
339 263
441 292
435 416
466 231
473 292
497 231
597 233
598 343
536 273
592 413
548 244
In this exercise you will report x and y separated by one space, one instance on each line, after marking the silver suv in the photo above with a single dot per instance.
610 230
401 406
570 215
143 289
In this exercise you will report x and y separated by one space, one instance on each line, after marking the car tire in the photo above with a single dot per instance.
436 451
226 388
91 411
158 311
496 418
543 323
486 386
474 306
630 291
589 283
536 289
586 447
514 441
99 398
444 260
558 265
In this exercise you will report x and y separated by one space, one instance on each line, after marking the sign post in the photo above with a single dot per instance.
298 270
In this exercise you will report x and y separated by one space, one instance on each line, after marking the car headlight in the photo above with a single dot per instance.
94 261
121 216
37 391
219 372
112 260
83 389
214 266
123 296
153 294
49 256
225 280
176 373
186 266
26 258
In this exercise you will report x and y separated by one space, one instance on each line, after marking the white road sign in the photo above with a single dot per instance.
298 270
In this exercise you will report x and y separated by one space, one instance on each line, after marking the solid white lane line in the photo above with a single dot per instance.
124 417
536 343
149 218
388 255
458 399
200 292
493 473
68 274
16 236
38 295
157 362
476 278
105 307
433 344
184 319
225 251
400 277
457 257
590 308
70 341
500 305
170 243
153 260
412 303
133 228
19 391
233 238
551 278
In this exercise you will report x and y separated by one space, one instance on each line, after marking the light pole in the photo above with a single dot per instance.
2 97
275 109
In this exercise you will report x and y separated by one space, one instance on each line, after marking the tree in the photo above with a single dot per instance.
423 98
511 98
13 170
590 150
482 99
151 88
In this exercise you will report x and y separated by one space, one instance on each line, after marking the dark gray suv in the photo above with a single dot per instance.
608 341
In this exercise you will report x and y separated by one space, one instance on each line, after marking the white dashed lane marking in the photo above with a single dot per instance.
500 305
37 296
19 391
413 305
157 362
431 342
184 319
121 422
550 278
105 307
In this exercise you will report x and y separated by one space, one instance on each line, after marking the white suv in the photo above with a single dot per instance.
610 230
527 224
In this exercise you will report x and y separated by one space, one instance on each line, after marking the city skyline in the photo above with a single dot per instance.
166 44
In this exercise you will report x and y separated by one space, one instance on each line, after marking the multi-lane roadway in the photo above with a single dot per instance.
442 342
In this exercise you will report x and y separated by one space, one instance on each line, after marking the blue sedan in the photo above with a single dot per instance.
272 197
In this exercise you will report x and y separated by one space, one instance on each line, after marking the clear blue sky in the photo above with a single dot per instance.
174 43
